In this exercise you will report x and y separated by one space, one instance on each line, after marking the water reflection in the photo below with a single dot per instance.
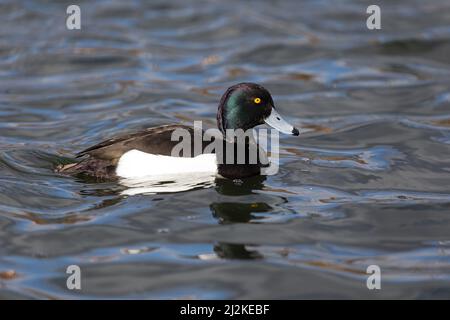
240 187
235 251
238 211
228 212
231 212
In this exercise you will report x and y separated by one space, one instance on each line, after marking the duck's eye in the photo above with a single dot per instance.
257 100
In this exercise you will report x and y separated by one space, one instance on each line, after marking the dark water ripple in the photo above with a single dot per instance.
368 184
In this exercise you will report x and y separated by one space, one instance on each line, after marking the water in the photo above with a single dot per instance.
369 184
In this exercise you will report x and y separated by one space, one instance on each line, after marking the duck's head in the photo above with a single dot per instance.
246 105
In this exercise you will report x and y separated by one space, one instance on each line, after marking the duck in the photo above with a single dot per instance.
149 152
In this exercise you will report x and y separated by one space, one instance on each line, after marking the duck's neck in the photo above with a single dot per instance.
246 157
236 169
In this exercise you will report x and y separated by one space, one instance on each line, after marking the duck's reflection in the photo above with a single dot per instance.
239 187
235 251
232 212
238 211
233 207
228 212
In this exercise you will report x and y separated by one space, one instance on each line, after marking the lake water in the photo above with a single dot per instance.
368 185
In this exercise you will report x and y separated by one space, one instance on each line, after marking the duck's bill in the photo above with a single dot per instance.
277 122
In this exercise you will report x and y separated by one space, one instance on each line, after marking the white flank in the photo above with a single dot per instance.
138 164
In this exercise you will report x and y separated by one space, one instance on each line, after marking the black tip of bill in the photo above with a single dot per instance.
295 132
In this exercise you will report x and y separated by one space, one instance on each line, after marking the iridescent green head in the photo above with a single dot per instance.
246 105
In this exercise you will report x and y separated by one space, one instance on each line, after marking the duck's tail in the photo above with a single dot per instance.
65 167
98 168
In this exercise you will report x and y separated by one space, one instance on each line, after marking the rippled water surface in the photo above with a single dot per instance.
369 184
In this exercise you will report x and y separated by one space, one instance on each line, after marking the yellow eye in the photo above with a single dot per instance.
257 100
